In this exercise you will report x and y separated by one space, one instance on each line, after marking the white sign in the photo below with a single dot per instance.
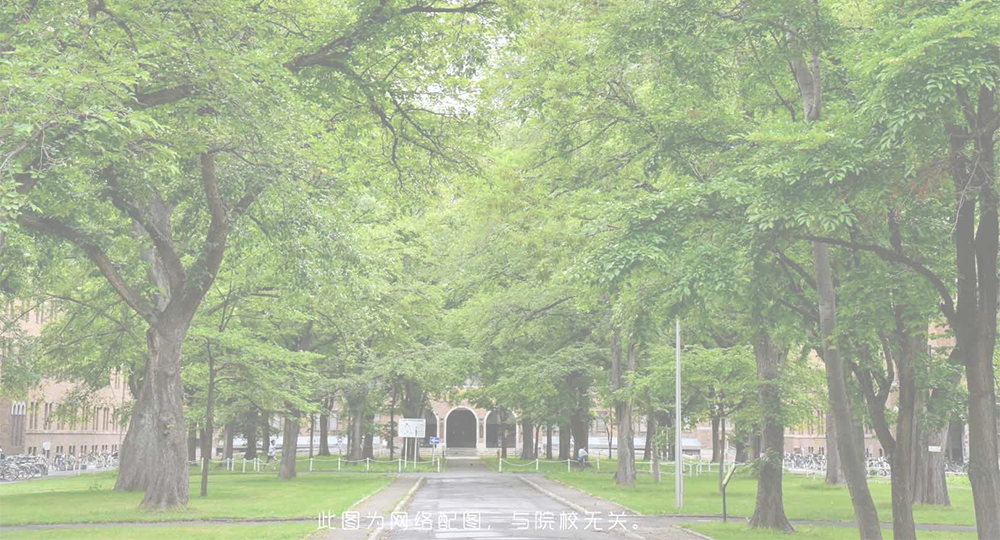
46 445
412 427
933 448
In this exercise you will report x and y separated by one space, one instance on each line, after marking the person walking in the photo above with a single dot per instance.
272 451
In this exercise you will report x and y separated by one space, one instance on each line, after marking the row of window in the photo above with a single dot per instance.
95 419
33 450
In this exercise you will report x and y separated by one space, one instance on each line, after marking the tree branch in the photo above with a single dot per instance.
54 227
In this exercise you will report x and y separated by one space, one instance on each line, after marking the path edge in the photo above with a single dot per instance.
577 507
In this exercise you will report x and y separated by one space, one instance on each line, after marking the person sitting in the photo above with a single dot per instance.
582 457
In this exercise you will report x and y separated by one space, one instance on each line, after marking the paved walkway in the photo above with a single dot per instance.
381 503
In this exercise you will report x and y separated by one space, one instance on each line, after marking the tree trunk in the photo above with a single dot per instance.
312 432
192 443
153 456
755 445
722 445
289 447
901 462
564 442
548 441
647 448
324 434
956 442
834 472
770 510
528 446
265 433
392 424
369 448
230 434
503 434
930 479
654 453
579 428
625 475
251 434
716 447
357 405
206 438
851 460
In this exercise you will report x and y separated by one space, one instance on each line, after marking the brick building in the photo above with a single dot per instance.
34 426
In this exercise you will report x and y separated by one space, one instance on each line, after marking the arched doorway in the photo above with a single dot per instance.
493 430
432 427
460 429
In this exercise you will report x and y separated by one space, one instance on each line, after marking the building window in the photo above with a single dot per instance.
114 447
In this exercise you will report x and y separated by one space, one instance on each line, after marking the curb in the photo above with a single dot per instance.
575 506
696 534
378 533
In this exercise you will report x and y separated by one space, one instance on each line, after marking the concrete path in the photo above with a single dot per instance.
367 511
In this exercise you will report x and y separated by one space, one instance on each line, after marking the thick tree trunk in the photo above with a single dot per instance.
324 434
153 456
564 442
625 475
770 510
354 450
852 462
289 447
755 445
902 462
230 433
368 451
834 472
579 429
956 442
930 480
548 441
528 446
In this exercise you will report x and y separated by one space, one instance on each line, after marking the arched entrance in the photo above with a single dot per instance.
460 429
431 428
493 430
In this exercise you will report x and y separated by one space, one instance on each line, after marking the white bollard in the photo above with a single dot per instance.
500 461
338 463
439 464
536 464
598 462
244 464
367 464
569 464
310 464
400 465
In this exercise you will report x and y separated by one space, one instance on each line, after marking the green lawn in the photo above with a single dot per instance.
90 499
205 532
804 498
740 531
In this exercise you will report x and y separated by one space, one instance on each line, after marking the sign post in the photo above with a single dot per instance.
413 429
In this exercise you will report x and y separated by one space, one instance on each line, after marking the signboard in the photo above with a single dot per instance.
46 446
435 440
412 427
933 448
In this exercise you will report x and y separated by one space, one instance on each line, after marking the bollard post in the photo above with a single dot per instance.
439 464
500 461
598 462
338 463
400 462
367 464
569 465
310 464
536 464
244 464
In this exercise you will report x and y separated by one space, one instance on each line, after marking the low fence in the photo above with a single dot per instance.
335 464
690 468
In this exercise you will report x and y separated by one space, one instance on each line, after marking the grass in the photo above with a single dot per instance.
204 532
804 498
740 531
90 499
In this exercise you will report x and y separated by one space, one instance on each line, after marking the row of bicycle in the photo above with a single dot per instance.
23 467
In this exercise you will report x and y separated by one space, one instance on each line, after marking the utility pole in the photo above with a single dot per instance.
678 449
